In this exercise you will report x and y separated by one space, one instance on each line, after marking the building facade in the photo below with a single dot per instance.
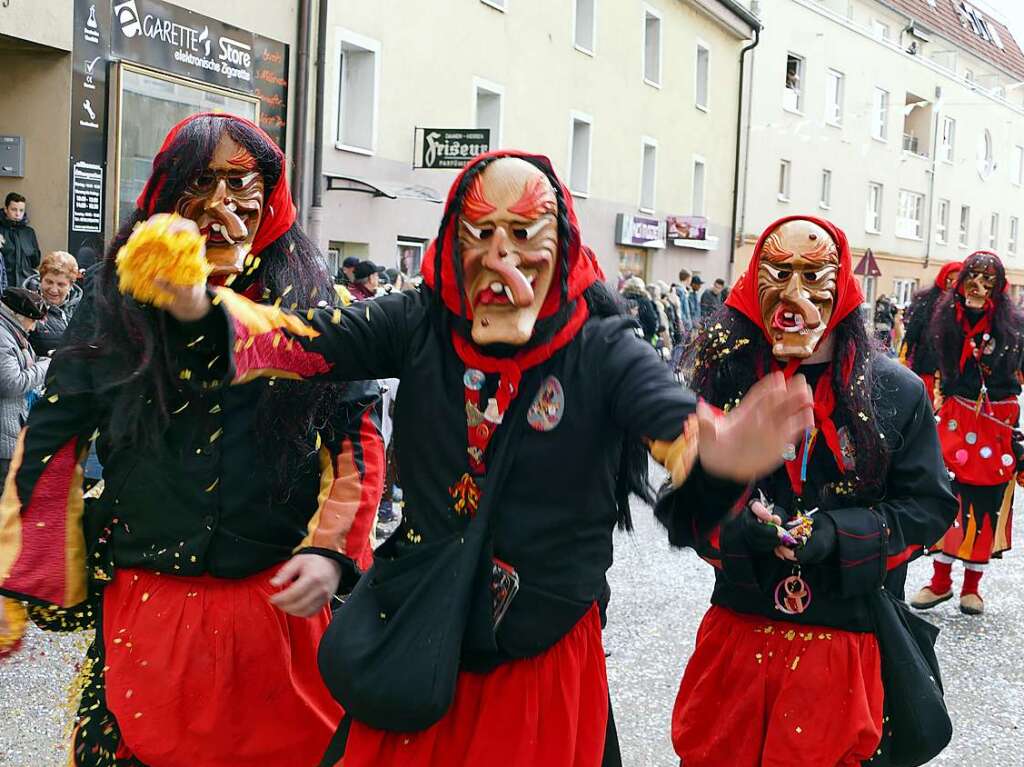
900 120
635 103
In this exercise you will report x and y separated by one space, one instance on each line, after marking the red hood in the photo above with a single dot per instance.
943 275
278 210
743 297
584 270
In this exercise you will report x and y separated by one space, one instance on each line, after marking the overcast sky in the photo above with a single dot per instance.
1013 10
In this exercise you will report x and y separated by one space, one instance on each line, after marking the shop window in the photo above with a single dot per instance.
149 103
910 215
880 115
834 87
585 25
487 109
784 172
338 251
632 263
873 217
410 255
652 47
826 189
903 290
648 175
358 75
579 155
965 225
703 74
947 140
699 175
793 95
942 222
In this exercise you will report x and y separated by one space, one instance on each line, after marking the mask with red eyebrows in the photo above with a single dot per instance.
508 240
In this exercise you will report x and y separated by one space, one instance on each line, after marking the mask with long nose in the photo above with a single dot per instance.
508 239
226 202
796 284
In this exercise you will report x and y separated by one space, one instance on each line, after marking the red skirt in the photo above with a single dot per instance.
206 672
766 693
547 710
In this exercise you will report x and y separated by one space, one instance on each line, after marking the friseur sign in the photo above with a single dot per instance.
450 148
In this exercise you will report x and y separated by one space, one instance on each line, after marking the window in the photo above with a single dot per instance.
968 75
993 232
880 29
986 161
648 172
585 25
903 289
784 180
1011 244
942 222
699 174
410 255
358 83
826 189
487 108
1017 167
870 286
579 154
834 97
703 72
880 115
873 219
917 125
910 215
652 47
338 251
965 225
947 139
498 4
793 96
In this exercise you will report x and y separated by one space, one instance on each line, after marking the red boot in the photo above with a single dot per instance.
939 590
971 602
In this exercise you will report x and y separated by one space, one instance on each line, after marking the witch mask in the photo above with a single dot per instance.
980 281
508 242
796 285
226 202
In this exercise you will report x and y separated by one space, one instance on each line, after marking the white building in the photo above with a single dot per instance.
902 121
634 101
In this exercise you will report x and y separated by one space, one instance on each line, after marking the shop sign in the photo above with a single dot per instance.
687 227
639 231
449 148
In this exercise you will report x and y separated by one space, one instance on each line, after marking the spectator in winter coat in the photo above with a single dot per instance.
641 307
18 243
20 371
712 299
664 340
367 280
682 289
673 309
56 283
696 314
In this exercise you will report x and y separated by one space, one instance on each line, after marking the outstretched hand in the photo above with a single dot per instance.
748 441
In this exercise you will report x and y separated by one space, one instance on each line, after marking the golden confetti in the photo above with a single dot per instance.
161 248
336 317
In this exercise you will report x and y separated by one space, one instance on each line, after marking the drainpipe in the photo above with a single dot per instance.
316 211
931 181
739 143
301 108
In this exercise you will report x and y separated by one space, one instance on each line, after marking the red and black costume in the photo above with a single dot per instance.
981 358
871 471
918 349
542 697
206 493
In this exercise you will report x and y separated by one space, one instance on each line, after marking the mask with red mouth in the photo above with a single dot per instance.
227 196
799 285
981 280
509 248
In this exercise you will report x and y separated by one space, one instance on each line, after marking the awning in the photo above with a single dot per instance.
391 189
709 243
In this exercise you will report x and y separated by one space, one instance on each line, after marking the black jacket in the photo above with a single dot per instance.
555 518
921 353
876 536
1001 361
20 250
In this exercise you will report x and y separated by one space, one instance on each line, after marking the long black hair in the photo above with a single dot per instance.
731 353
131 339
632 476
1007 324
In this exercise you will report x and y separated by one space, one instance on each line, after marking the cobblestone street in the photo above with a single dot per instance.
658 598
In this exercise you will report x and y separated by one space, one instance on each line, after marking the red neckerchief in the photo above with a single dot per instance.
984 325
511 372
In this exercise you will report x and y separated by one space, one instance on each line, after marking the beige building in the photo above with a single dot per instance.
902 121
634 101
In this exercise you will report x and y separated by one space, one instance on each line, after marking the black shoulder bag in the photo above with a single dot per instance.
391 655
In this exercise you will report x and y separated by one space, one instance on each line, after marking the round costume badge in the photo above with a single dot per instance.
960 456
971 438
474 379
951 424
1006 459
548 406
985 452
792 595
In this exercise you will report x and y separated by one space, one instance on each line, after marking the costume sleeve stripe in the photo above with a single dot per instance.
338 502
371 448
895 560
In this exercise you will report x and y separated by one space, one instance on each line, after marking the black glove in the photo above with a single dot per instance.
757 535
821 544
